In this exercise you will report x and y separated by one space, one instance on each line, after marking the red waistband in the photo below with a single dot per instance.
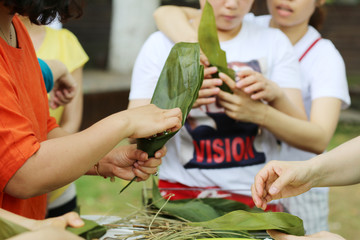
181 191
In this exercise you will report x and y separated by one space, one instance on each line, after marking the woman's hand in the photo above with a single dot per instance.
126 162
63 92
69 219
209 88
257 86
320 236
281 179
239 106
147 120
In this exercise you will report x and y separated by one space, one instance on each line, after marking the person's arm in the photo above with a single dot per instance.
51 228
276 235
281 179
65 86
313 135
258 87
73 155
72 114
174 22
70 219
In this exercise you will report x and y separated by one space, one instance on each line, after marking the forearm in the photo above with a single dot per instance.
340 166
74 154
299 133
12 217
289 101
174 23
72 115
57 68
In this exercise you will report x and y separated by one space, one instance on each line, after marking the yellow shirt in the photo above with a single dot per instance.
62 45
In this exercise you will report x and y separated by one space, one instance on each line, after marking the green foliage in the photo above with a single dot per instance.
178 86
210 45
227 215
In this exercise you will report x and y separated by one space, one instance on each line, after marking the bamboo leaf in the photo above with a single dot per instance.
191 210
227 215
9 229
243 220
210 45
178 86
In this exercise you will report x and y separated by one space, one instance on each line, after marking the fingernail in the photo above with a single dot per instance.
273 190
78 222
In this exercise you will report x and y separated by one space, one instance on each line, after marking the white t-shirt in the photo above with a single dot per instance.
213 149
322 75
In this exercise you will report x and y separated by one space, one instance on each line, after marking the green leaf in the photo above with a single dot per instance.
243 220
9 229
191 210
227 215
210 45
90 230
178 86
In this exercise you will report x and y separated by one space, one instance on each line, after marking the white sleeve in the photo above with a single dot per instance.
285 68
329 73
148 66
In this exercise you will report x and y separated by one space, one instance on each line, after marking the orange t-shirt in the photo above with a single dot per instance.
24 117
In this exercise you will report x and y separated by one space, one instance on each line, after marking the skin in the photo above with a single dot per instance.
282 179
65 86
291 17
51 228
72 115
54 161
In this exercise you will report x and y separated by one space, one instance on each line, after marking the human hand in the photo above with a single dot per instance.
126 162
148 120
209 88
257 86
46 233
69 219
238 104
64 90
281 179
320 235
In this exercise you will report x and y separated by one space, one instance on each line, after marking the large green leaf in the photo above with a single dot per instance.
210 45
227 215
243 220
178 86
9 229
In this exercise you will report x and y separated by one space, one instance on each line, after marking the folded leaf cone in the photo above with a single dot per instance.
210 45
178 86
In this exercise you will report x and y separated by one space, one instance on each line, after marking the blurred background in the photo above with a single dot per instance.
112 33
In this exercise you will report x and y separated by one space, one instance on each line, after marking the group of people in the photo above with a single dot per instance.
285 103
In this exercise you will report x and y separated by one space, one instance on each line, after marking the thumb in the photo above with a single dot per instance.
278 185
73 219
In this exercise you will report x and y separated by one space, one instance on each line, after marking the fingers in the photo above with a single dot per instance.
281 236
73 219
209 71
69 219
227 80
173 119
144 169
204 60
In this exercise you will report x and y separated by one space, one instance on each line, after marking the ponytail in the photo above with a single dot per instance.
318 18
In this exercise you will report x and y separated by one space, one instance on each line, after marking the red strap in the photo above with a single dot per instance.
311 46
180 191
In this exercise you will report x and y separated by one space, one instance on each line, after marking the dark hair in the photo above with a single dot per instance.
318 18
44 11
